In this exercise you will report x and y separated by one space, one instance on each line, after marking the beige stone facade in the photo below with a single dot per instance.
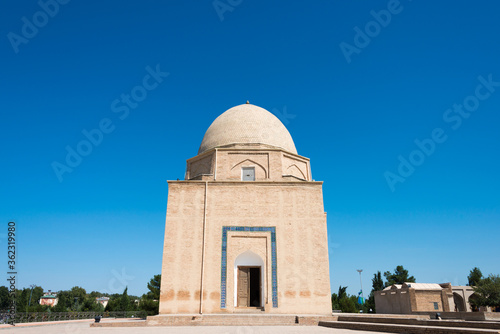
410 298
246 230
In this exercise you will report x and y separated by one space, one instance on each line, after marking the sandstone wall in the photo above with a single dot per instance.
296 211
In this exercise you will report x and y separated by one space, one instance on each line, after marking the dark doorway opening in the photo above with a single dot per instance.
459 302
254 287
249 292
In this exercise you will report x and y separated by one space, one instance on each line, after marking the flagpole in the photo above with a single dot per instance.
360 281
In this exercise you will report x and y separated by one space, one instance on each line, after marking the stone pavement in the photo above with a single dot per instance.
84 328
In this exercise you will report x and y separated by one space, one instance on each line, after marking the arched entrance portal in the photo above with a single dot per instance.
459 302
249 273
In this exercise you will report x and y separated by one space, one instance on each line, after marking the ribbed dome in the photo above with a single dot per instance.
247 124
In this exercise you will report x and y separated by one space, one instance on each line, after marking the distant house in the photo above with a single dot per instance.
49 298
410 298
102 300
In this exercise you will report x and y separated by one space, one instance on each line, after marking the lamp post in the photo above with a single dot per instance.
31 293
361 281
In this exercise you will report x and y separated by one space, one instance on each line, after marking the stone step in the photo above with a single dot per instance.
248 320
249 310
422 322
222 320
401 328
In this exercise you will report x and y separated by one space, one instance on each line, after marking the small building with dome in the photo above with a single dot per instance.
246 229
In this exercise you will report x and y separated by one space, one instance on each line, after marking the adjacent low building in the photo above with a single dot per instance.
411 297
102 300
49 298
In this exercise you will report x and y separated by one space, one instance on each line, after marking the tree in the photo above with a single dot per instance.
399 276
336 297
150 306
475 276
113 303
65 301
22 299
4 298
342 301
36 294
150 301
154 287
342 292
124 301
90 304
78 294
97 294
348 304
377 282
62 302
377 285
71 300
487 291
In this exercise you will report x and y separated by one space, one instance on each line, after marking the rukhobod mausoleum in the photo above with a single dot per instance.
246 229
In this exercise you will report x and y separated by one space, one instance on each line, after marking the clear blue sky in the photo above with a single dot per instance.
353 119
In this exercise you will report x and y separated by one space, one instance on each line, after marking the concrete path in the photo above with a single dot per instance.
84 328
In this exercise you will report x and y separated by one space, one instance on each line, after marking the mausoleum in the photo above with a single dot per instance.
246 229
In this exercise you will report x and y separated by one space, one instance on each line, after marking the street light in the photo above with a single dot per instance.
31 293
360 281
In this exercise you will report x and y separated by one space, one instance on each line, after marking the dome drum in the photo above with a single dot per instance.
270 164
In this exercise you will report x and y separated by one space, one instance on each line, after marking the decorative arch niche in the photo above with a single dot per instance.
295 171
259 169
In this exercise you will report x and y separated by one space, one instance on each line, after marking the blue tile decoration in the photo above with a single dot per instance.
223 270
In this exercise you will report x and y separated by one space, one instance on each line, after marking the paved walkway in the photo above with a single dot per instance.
84 328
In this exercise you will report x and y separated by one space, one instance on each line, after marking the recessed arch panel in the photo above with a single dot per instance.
249 259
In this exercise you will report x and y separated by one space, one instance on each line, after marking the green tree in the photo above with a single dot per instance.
154 287
113 303
342 292
22 299
348 304
91 305
487 291
64 302
336 297
150 301
96 294
36 294
335 302
149 305
78 295
124 303
399 276
344 302
475 276
377 285
4 298
377 282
